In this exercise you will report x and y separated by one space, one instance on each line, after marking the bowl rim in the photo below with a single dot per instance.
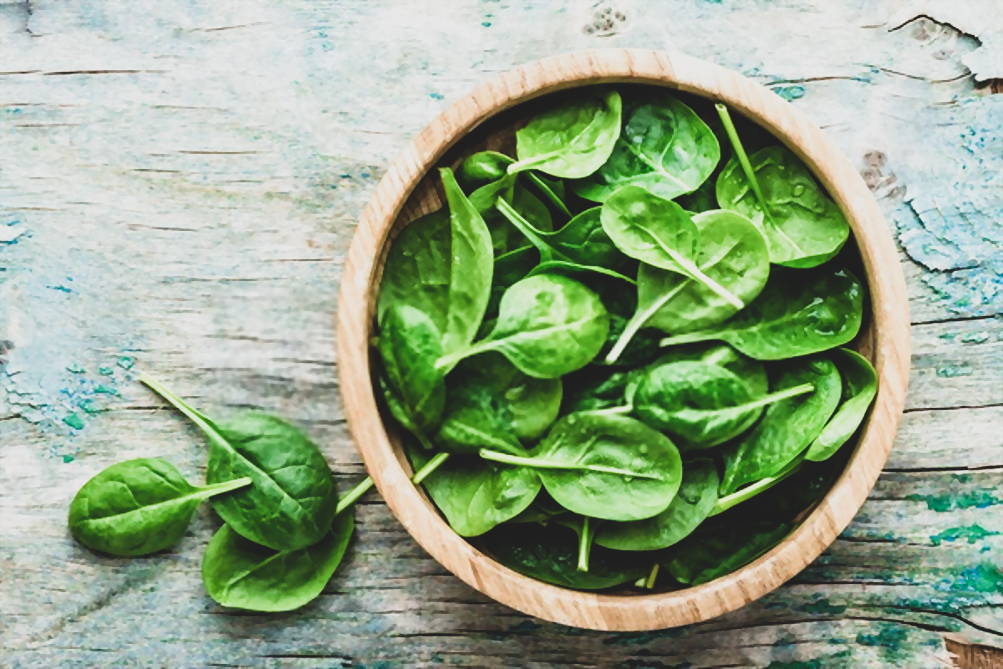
890 341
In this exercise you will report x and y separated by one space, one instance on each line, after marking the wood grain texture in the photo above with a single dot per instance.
887 341
194 186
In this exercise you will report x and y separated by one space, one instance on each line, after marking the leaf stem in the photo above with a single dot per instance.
584 544
360 488
548 193
743 158
698 274
637 321
448 361
539 463
353 495
774 397
224 486
526 228
649 582
610 411
686 338
750 491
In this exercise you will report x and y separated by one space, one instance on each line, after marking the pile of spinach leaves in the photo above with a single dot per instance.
601 350
614 340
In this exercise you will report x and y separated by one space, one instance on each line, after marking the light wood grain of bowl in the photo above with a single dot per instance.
402 195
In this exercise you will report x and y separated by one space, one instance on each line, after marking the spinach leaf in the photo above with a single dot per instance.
798 313
491 404
752 372
664 147
550 554
243 575
484 166
775 190
417 271
138 507
474 495
575 247
548 326
292 499
409 345
688 509
503 237
860 385
471 265
703 404
572 140
712 552
788 426
604 466
731 251
754 489
658 232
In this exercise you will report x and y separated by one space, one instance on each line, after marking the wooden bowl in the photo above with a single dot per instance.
405 192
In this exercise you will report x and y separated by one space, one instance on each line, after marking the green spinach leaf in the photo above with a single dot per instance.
664 147
243 575
548 326
579 246
712 552
138 507
751 371
658 232
604 466
695 499
702 403
292 499
798 313
491 404
774 189
788 426
474 495
409 345
417 271
572 140
471 265
860 385
731 251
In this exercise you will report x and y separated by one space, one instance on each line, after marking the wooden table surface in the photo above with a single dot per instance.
179 180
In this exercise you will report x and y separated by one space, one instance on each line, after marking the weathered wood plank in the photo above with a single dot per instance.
180 182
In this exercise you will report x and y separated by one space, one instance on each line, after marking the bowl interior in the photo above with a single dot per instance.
881 340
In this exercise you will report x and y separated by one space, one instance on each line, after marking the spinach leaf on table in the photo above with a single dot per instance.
860 385
788 426
730 250
292 499
702 403
774 189
696 497
491 404
138 507
664 147
798 313
712 552
604 466
474 495
658 232
571 140
409 345
244 575
548 326
471 266
550 554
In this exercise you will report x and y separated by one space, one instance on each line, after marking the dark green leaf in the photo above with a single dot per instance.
243 575
860 385
138 507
